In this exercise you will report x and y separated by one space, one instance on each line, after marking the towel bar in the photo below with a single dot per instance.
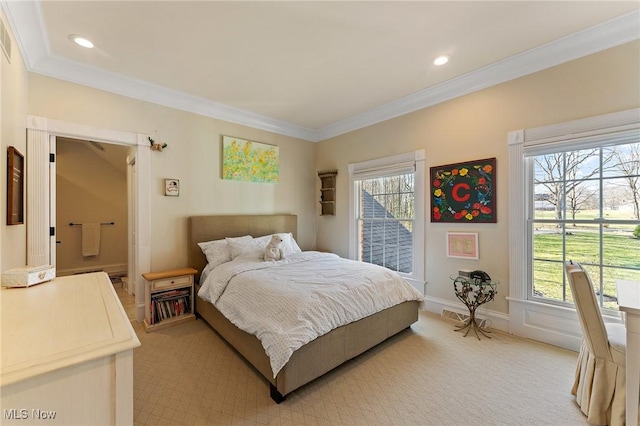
101 223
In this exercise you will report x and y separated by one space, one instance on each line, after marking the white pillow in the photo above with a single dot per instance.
243 246
249 247
294 245
217 252
289 245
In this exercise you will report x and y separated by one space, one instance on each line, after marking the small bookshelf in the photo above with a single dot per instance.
169 298
327 192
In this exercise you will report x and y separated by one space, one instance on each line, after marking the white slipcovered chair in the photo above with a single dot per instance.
599 384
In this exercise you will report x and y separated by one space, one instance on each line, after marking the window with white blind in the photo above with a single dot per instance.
568 201
574 195
585 207
387 213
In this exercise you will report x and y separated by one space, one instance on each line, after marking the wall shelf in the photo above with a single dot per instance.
327 192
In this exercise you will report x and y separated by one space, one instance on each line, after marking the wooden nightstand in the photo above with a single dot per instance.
168 298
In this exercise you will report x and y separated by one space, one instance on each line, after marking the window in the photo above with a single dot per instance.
385 219
585 207
387 213
554 171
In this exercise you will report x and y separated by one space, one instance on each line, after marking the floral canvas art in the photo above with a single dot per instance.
464 192
249 161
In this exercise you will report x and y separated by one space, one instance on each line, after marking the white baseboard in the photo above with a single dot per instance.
496 320
113 269
555 325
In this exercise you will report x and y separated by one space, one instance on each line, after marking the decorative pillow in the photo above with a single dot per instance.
217 252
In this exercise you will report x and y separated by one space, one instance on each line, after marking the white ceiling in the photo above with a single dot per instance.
311 70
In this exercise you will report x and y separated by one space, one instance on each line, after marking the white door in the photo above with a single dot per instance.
53 231
37 198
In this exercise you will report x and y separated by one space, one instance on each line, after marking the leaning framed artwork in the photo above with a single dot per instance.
249 161
462 245
464 192
15 187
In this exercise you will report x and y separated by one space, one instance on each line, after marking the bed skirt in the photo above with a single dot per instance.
318 356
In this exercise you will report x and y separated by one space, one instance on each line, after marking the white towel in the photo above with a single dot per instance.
90 239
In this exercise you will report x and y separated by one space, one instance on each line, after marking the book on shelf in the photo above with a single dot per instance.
170 305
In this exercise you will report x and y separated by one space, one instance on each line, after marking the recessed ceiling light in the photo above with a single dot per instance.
81 41
441 60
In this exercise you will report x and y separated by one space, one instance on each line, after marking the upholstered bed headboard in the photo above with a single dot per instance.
208 228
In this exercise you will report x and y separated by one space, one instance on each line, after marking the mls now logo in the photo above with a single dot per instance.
23 413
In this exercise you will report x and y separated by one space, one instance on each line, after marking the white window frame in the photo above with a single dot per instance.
385 167
557 325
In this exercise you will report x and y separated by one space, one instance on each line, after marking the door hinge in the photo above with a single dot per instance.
52 231
52 158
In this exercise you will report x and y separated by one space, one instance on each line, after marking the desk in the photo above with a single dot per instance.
67 354
629 303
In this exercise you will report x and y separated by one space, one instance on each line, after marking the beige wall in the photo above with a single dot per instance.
13 109
193 157
473 127
90 189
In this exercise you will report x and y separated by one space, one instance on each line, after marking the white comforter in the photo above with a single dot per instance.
289 303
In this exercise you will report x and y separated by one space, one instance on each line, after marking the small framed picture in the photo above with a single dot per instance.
172 187
462 245
15 187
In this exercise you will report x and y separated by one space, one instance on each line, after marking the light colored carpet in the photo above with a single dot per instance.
429 375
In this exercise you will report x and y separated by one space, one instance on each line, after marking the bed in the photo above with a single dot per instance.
314 358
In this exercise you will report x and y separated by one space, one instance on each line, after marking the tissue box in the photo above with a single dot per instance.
28 276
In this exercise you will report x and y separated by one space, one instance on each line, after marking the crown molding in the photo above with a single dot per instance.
107 81
25 19
600 37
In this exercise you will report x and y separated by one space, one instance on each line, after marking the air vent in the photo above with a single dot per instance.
454 315
5 40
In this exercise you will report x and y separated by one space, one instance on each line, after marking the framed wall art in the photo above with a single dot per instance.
464 192
172 187
249 161
15 187
462 245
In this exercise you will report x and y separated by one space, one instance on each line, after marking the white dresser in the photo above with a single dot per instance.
66 354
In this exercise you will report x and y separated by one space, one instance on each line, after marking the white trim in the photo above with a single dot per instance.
37 198
27 24
143 179
497 320
114 268
75 72
53 203
25 19
602 124
606 35
547 323
556 325
384 166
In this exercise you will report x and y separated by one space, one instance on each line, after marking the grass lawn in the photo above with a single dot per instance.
582 244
